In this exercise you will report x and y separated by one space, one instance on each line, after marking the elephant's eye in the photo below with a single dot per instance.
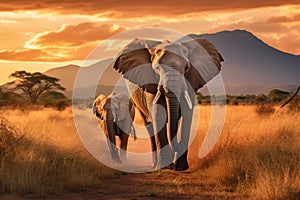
156 67
186 68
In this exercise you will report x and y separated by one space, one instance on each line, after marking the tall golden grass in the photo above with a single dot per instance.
41 153
256 155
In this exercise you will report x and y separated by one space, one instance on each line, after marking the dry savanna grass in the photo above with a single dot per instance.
256 155
41 153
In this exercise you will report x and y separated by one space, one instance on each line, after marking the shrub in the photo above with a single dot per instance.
261 98
294 105
264 109
54 99
11 99
277 95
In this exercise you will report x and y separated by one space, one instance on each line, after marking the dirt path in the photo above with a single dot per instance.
156 185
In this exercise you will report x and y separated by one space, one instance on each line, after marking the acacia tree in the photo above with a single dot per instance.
34 84
277 95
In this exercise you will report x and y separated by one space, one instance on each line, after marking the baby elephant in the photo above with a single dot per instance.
115 114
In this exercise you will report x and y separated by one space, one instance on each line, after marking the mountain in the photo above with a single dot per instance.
84 79
66 74
251 67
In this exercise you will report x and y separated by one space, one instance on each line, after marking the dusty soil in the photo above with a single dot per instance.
164 184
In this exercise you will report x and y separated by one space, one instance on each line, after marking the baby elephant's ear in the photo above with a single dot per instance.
97 104
203 56
95 110
101 97
134 62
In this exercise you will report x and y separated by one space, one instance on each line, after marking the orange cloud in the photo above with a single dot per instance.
47 55
73 35
291 40
24 55
135 8
284 19
71 42
75 41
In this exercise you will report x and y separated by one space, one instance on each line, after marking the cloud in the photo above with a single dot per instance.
73 35
23 55
5 21
80 35
71 42
284 18
136 8
47 55
291 40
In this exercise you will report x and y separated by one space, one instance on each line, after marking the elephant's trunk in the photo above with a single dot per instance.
173 113
179 104
174 87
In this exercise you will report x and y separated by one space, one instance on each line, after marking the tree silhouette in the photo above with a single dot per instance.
277 95
34 84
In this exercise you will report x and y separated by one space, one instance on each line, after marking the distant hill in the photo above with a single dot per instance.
251 67
90 77
66 74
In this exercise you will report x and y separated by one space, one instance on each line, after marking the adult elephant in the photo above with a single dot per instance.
167 75
115 113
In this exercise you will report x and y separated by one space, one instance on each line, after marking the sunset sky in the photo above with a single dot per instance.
46 34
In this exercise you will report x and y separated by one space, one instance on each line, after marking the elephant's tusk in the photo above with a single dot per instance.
156 97
187 96
188 99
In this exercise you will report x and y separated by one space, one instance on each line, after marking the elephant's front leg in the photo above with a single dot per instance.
165 154
111 140
153 144
124 142
149 127
124 128
181 162
113 150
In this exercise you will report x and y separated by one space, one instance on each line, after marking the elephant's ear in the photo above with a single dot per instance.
101 97
97 104
204 58
134 62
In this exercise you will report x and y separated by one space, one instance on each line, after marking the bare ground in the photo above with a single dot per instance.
164 184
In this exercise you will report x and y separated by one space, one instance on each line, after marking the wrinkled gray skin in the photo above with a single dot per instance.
108 112
168 74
